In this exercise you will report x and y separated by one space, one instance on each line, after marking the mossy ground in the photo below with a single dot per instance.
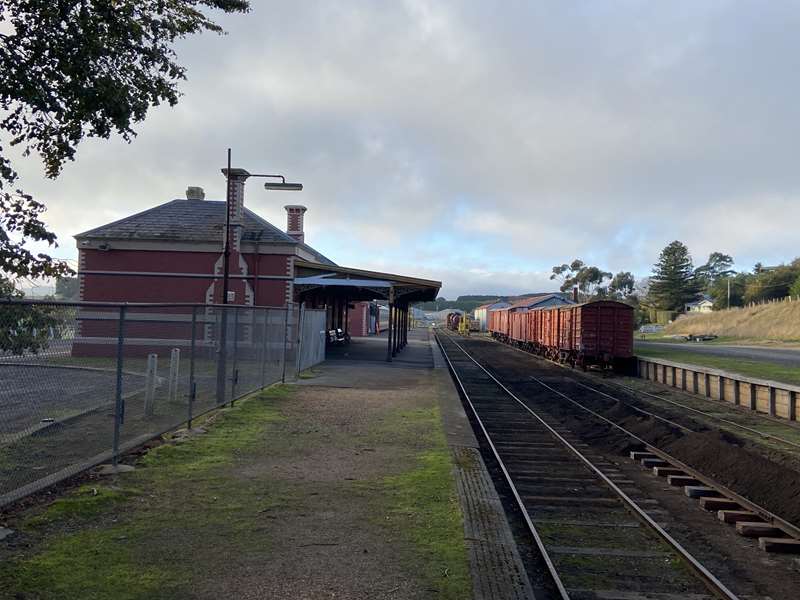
186 515
422 504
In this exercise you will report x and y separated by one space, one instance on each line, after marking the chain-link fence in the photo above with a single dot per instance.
82 383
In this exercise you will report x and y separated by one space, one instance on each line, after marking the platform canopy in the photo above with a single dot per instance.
317 279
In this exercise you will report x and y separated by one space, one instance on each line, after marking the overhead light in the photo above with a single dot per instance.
286 187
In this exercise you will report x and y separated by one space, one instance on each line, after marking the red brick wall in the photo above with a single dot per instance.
133 284
358 319
160 261
130 287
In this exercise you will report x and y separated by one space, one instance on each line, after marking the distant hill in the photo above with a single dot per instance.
470 302
774 321
477 298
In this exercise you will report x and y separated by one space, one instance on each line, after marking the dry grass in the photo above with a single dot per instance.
777 321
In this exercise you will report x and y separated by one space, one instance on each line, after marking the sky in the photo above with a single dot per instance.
479 143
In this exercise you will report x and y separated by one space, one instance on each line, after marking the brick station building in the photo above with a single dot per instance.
173 253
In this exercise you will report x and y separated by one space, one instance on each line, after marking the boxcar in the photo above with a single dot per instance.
498 324
596 333
516 322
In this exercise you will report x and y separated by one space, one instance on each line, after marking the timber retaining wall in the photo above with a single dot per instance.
761 395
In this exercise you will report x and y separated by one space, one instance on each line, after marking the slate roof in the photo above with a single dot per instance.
535 299
192 221
489 305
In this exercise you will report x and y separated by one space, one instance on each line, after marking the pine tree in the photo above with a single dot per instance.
673 283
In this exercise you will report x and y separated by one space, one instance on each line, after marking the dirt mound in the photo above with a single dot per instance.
724 458
719 455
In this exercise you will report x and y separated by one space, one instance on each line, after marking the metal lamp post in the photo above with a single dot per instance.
223 341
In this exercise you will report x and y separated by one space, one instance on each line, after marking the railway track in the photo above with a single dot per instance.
593 528
750 518
706 414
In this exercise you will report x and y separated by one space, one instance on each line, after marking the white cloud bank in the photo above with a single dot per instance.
481 146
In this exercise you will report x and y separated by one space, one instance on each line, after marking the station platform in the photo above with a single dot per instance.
420 370
372 349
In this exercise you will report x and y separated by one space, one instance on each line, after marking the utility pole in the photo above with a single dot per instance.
222 355
729 292
227 249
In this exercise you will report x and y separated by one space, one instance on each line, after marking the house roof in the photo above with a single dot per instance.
497 304
487 305
192 221
530 301
533 300
700 301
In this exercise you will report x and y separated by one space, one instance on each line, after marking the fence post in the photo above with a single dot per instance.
264 350
192 384
222 355
285 343
300 323
150 384
174 373
235 368
119 405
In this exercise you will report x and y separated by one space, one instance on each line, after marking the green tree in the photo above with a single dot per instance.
589 280
68 288
772 283
71 69
622 285
719 290
794 291
717 266
673 283
26 328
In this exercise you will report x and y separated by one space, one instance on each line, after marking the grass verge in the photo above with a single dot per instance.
193 507
147 534
747 368
421 505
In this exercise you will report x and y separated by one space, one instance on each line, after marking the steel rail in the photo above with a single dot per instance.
676 403
711 415
773 519
636 408
528 521
714 585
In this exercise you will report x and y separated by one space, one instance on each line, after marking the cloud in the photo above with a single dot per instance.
453 140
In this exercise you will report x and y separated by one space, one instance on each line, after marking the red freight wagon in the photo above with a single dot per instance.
517 326
498 324
536 323
548 338
596 333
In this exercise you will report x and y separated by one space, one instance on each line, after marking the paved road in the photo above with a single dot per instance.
789 357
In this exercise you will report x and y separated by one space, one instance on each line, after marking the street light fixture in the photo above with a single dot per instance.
282 186
270 185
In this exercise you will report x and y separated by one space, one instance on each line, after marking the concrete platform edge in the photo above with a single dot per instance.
495 563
